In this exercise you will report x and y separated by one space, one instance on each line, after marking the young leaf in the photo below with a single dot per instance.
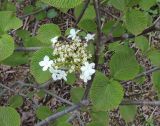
6 46
146 4
9 21
156 81
15 101
105 94
136 21
36 69
62 121
51 13
63 3
89 14
99 117
123 64
142 43
76 94
9 117
128 112
43 112
17 58
71 78
118 4
48 31
87 25
154 56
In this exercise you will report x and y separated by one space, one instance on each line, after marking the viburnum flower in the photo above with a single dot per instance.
70 57
73 33
89 37
54 40
87 71
46 63
58 74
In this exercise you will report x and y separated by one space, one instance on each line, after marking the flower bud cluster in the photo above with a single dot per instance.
69 57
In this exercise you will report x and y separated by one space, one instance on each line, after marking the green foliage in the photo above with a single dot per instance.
15 101
6 46
71 78
36 70
88 14
128 112
146 4
62 121
140 80
156 81
48 31
118 4
136 21
109 27
105 94
99 118
9 21
63 3
142 43
9 117
17 58
123 64
154 56
43 112
87 25
51 13
76 94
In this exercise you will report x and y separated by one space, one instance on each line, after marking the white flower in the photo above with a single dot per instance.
54 40
89 37
87 71
77 39
58 74
46 63
73 34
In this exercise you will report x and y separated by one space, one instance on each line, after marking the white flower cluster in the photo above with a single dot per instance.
70 57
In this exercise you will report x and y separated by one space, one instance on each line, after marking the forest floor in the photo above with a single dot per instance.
10 75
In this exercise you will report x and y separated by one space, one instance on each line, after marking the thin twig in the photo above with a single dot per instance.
82 12
98 42
59 98
143 74
27 49
59 114
129 102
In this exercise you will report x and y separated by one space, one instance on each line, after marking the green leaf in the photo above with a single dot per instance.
89 14
71 78
43 112
9 117
63 3
136 21
140 80
142 43
17 58
118 4
9 21
154 56
51 13
123 64
87 25
110 28
47 31
6 46
36 70
99 117
128 112
105 94
147 4
76 94
156 81
62 121
15 101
